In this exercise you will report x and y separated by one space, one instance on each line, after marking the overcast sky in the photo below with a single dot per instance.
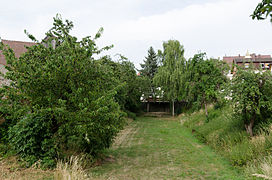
217 27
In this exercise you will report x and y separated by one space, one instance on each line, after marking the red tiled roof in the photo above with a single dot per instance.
254 57
17 46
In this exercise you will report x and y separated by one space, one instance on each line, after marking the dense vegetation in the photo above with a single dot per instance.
61 98
228 137
65 98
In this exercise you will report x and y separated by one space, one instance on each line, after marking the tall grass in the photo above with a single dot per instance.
228 137
71 169
261 168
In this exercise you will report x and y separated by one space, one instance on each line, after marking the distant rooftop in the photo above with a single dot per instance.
18 48
248 58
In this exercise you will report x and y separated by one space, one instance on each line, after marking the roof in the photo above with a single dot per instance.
18 48
259 60
254 58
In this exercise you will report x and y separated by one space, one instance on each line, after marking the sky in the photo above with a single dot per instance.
217 27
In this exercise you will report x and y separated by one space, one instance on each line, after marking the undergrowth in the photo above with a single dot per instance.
228 137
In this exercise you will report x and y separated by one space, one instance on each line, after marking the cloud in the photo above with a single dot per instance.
217 27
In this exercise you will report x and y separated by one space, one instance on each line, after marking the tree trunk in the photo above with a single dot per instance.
147 107
173 107
249 127
206 109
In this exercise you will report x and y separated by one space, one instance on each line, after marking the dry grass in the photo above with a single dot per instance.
125 135
261 168
70 170
262 176
10 169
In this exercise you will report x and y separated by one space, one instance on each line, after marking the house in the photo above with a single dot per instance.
259 61
18 48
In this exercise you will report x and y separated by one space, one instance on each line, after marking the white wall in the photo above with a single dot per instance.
2 80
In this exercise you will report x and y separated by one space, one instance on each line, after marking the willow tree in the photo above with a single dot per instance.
169 75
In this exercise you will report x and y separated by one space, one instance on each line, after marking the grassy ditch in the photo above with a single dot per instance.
228 137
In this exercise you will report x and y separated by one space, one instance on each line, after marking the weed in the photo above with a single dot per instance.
70 170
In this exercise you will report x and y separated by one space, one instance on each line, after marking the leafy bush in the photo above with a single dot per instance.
128 97
60 97
251 97
204 81
32 137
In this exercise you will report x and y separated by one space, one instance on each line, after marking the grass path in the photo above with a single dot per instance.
152 148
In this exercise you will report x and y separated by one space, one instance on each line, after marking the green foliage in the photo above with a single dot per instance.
204 79
150 66
263 10
59 96
251 97
226 135
132 88
170 75
149 69
33 139
11 110
128 96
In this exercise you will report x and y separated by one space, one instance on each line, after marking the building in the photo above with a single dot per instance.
259 61
19 47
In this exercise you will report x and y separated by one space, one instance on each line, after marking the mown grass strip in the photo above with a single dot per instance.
162 149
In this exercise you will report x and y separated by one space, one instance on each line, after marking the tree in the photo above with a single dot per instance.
128 97
204 80
263 10
148 71
251 97
60 97
169 75
150 65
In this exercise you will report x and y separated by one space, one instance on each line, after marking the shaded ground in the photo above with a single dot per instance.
153 148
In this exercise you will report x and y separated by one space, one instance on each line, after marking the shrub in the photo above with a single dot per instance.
60 97
32 138
251 96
